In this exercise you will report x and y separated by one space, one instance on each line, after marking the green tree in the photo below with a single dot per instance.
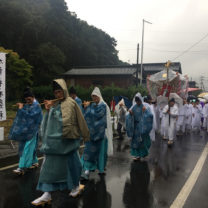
18 75
42 29
49 61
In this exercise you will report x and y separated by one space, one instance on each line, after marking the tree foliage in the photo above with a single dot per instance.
52 39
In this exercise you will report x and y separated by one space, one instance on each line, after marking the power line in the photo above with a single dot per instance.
187 50
166 51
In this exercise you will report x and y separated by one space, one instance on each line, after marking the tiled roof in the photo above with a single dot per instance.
102 71
122 70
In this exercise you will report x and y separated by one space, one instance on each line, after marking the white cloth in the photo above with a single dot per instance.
196 117
157 116
152 132
109 129
180 124
205 115
188 118
170 127
139 96
121 112
162 118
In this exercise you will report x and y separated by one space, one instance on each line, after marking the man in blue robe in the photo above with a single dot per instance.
139 123
96 150
25 130
62 127
73 94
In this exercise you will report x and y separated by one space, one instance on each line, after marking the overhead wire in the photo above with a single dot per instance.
192 46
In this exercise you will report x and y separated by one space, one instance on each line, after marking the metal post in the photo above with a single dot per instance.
137 66
142 50
141 71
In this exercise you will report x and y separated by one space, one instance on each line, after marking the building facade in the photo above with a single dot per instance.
121 76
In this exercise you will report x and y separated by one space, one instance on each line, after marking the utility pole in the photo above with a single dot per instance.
137 66
142 50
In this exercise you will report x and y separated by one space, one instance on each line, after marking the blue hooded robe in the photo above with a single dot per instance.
25 130
138 127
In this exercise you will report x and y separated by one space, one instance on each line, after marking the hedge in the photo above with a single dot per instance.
45 92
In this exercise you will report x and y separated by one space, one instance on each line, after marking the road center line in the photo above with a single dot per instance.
14 165
188 186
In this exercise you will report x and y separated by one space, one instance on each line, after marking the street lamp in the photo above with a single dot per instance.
144 21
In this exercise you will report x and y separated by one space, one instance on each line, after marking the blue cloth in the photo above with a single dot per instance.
29 156
51 133
26 123
79 102
95 116
138 127
95 152
72 178
97 162
61 167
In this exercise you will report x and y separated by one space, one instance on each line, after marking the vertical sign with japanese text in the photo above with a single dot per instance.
2 86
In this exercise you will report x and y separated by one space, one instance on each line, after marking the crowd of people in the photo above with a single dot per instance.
68 122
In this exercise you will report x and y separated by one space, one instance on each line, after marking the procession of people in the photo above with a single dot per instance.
68 122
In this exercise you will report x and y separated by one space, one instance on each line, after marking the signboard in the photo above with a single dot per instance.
2 87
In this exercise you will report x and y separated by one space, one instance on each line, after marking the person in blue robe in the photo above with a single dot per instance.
95 151
73 94
139 123
61 129
25 130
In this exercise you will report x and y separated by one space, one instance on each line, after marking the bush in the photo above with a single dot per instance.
109 92
43 92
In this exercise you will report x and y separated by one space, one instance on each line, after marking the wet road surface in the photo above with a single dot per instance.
153 183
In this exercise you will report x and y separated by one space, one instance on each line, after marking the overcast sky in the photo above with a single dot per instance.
177 25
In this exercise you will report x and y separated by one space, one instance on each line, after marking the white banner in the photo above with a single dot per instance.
2 87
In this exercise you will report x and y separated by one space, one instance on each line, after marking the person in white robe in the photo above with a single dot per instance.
170 112
205 115
157 116
148 104
180 124
188 117
163 129
121 111
196 117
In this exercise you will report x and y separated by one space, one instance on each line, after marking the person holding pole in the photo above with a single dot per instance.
25 130
62 127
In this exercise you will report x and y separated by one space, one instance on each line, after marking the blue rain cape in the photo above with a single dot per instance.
140 122
138 127
51 133
95 116
79 102
26 123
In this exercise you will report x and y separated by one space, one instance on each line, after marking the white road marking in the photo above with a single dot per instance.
16 164
188 186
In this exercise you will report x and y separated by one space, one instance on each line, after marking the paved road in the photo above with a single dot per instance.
154 183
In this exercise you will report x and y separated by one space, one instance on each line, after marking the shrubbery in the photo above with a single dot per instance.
45 92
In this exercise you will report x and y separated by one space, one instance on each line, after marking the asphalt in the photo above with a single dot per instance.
8 149
153 183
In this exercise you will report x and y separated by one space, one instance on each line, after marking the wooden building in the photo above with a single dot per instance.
121 76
